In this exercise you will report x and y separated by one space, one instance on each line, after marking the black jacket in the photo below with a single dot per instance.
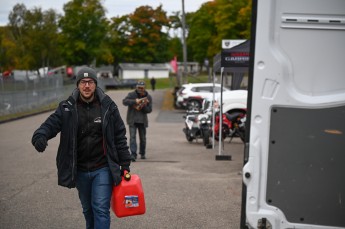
90 136
65 120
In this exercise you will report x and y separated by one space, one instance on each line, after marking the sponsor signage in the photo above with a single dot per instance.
234 59
237 56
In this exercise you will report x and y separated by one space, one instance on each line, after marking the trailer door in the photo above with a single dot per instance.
294 172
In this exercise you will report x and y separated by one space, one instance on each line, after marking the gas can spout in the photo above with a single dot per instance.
127 176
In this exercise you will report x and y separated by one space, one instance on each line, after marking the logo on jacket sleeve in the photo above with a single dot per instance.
97 120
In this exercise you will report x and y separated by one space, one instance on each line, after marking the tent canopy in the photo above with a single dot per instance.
235 59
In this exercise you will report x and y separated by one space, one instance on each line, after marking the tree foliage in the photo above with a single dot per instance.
83 29
214 21
84 36
30 42
40 40
141 35
230 21
202 29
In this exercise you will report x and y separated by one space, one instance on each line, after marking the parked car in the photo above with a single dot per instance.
106 80
233 100
124 83
190 96
105 75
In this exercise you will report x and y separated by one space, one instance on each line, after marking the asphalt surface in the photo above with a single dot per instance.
185 187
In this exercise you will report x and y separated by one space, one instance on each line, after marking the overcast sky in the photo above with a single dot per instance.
113 7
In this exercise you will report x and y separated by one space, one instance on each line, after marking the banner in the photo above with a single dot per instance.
173 64
237 56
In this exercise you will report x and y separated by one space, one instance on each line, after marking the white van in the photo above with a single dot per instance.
294 174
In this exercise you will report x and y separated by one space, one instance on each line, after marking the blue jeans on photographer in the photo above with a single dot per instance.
142 138
95 189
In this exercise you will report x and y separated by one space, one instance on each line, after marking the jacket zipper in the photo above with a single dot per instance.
103 130
74 141
88 153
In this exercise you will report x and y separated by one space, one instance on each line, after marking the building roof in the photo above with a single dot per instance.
144 66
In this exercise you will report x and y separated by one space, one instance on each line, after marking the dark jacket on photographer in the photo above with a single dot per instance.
112 150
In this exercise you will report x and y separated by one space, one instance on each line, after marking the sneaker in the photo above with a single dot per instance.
133 157
142 157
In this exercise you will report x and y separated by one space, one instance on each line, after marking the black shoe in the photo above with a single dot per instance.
133 157
142 157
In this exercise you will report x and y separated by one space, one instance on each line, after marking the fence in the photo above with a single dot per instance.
27 95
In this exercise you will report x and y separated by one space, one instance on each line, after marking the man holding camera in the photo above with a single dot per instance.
139 104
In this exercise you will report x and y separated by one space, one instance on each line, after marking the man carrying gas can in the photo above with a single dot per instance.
93 149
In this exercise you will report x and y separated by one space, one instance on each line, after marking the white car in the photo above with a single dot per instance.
233 102
191 95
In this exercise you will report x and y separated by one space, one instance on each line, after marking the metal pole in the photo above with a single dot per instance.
184 75
221 157
221 111
213 110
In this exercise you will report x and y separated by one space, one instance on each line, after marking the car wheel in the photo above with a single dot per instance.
194 105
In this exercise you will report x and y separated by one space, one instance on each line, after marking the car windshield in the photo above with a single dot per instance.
180 90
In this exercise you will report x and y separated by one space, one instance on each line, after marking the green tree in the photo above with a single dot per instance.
141 36
34 34
214 21
16 23
147 37
84 35
84 28
119 37
41 38
175 48
231 22
175 44
202 31
8 57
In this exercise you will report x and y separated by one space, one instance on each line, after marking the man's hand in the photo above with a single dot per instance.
124 168
140 103
41 144
142 100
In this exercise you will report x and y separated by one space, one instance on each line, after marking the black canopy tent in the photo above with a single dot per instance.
234 60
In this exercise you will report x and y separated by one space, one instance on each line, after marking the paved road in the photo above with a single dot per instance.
185 187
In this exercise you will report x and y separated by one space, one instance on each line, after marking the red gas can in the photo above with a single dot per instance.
128 197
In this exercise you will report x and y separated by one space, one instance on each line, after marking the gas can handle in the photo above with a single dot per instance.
126 175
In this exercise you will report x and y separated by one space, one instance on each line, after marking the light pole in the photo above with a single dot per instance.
207 65
184 74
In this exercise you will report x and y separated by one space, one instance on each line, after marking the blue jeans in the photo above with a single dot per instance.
95 189
133 138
